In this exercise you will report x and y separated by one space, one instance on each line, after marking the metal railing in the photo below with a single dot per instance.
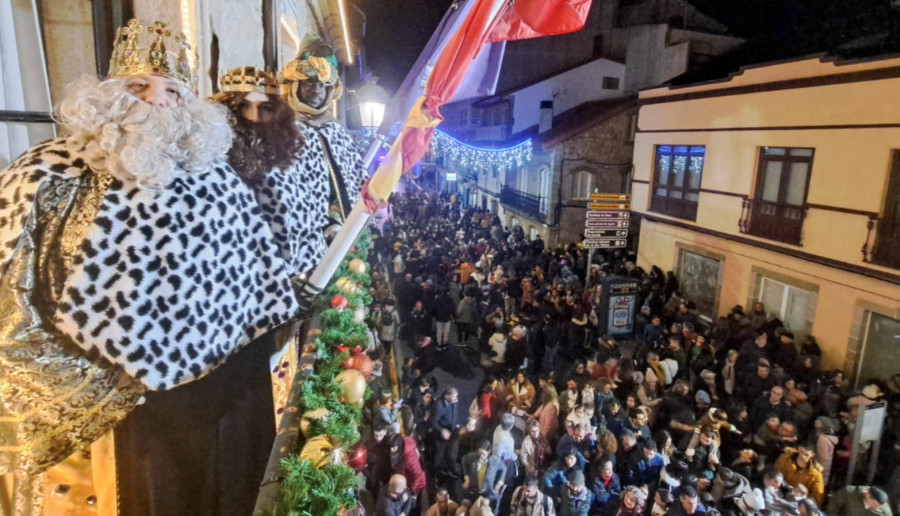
527 203
885 250
773 220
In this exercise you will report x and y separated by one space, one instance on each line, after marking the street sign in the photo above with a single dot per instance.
603 243
605 233
600 215
609 197
605 206
607 223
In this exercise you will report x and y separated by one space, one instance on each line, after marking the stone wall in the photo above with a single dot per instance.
603 152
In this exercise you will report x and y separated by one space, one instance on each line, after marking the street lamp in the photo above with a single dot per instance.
372 99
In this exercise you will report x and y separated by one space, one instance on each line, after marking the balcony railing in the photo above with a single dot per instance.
527 203
885 250
773 220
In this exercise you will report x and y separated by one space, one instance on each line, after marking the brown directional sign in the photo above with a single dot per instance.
607 206
605 233
604 243
610 197
606 215
623 223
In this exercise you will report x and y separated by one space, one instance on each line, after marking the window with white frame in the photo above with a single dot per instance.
581 184
795 306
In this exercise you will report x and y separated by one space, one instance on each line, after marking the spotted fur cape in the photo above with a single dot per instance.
166 284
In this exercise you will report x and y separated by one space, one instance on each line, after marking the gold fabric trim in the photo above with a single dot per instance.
54 399
334 182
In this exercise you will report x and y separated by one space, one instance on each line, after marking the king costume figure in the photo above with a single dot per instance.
331 165
139 282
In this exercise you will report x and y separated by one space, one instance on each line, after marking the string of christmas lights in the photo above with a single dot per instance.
479 158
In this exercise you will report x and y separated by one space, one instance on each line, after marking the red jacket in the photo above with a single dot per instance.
411 466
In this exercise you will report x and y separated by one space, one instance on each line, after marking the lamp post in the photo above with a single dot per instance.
371 99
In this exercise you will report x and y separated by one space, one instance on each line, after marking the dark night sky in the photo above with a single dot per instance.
397 30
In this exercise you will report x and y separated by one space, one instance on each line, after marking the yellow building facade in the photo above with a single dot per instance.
781 185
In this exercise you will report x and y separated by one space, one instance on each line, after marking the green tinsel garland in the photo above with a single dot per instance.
308 490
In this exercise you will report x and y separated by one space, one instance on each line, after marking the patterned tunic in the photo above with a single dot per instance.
297 202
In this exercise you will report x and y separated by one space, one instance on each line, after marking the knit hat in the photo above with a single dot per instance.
703 397
577 478
878 495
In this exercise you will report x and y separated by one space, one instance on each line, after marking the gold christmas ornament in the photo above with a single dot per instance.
357 266
346 285
353 384
319 414
321 451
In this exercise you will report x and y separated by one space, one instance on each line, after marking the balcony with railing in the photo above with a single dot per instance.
885 250
531 205
773 220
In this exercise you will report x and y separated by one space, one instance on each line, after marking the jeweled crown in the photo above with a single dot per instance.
134 54
248 78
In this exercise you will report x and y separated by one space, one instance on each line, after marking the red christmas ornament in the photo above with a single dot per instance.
341 399
358 457
338 301
359 361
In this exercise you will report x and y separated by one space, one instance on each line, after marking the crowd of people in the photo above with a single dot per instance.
689 417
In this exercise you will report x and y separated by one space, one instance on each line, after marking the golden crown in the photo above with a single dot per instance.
248 78
131 58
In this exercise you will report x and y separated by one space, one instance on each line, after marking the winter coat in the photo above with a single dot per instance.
811 476
411 466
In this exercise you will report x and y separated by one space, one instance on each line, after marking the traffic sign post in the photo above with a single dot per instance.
607 223
606 206
610 197
604 243
605 233
606 215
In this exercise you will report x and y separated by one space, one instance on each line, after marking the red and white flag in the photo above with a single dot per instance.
487 21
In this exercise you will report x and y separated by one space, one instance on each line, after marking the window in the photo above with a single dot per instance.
881 348
581 184
796 307
610 83
676 185
544 189
887 239
463 116
782 183
632 127
699 278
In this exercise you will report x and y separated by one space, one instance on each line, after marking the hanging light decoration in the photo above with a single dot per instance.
478 158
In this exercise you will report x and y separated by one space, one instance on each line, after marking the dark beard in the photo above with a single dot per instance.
261 147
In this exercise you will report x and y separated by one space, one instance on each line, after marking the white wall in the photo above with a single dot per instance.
575 87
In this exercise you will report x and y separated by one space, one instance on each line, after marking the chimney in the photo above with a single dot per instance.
546 122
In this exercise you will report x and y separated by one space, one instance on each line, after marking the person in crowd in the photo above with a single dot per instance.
528 500
520 395
576 499
396 500
688 503
445 425
859 501
800 468
504 445
536 451
560 473
606 488
632 501
484 474
405 460
443 505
